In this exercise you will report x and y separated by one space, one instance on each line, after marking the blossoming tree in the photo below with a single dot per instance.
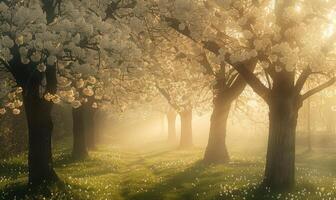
226 83
275 35
43 45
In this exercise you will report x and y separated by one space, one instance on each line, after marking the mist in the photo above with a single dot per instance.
167 99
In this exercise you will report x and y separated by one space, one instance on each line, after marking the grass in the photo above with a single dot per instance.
158 171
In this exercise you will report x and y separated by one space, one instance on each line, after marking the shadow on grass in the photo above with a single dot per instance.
67 159
59 190
244 164
12 169
64 160
148 156
321 159
90 166
159 191
203 180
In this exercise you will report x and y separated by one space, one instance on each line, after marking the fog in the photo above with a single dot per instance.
168 99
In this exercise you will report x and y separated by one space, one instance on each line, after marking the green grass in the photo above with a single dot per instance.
158 171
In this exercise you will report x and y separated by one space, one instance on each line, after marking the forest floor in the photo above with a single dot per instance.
156 171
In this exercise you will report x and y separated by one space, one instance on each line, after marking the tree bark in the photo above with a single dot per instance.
162 120
90 126
171 119
216 151
309 144
280 160
79 150
99 123
186 128
40 126
38 113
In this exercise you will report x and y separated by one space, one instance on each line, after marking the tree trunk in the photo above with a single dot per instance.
171 119
280 160
40 126
186 128
90 127
309 144
38 115
79 150
162 120
216 151
99 123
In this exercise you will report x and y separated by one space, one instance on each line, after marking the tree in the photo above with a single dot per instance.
330 110
17 25
171 119
79 150
274 35
12 123
42 43
227 84
309 143
184 86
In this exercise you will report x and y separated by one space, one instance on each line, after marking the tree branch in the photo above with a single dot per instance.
167 97
302 79
232 79
174 23
49 7
239 84
268 79
205 63
251 79
209 45
237 87
318 89
214 47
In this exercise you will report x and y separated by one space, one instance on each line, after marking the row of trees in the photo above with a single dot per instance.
90 54
270 34
48 48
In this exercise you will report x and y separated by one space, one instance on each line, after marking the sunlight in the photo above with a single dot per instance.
270 7
332 16
328 32
298 8
168 99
